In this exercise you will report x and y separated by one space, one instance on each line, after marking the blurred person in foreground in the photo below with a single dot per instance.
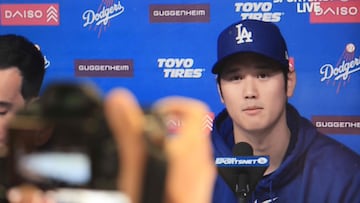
22 69
254 83
190 169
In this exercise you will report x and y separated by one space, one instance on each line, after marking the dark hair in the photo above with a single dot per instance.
18 51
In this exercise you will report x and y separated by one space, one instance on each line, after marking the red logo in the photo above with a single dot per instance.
336 12
29 14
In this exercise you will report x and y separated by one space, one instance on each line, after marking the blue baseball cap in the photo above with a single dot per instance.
254 36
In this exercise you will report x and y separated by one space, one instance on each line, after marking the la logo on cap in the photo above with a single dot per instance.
243 35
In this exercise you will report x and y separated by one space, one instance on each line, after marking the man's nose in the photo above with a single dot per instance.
250 88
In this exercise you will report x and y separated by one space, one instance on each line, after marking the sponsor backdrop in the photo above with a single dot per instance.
158 48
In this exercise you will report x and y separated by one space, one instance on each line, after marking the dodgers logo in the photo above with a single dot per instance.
347 65
243 35
101 17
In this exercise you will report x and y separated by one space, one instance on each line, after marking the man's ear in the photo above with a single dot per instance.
220 92
291 82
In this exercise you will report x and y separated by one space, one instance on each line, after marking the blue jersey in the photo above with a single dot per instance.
315 169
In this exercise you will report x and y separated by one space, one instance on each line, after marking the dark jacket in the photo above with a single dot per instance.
315 169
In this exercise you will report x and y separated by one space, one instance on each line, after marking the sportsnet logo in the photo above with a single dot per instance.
346 11
29 14
242 161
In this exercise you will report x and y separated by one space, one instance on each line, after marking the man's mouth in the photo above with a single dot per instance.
252 109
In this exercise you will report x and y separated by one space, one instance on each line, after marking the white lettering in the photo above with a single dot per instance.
103 67
253 6
338 11
103 17
341 72
243 35
258 11
23 14
268 17
337 124
308 7
175 62
179 68
240 161
157 13
183 73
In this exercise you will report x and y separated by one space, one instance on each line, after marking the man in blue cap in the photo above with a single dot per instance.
254 81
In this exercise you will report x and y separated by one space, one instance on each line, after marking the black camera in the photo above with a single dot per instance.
63 141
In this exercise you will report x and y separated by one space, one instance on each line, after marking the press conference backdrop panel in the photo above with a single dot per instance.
158 48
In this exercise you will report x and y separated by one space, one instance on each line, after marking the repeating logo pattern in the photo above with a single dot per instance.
170 44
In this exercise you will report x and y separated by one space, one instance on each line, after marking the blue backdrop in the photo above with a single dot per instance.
158 48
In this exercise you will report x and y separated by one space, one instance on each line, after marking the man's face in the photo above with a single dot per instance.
253 91
10 97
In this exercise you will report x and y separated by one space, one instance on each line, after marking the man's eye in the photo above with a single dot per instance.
263 75
232 77
3 113
236 77
5 108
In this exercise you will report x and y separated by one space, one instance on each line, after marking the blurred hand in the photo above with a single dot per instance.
27 194
191 169
126 121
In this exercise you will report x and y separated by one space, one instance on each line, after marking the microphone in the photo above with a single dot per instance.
242 171
242 188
